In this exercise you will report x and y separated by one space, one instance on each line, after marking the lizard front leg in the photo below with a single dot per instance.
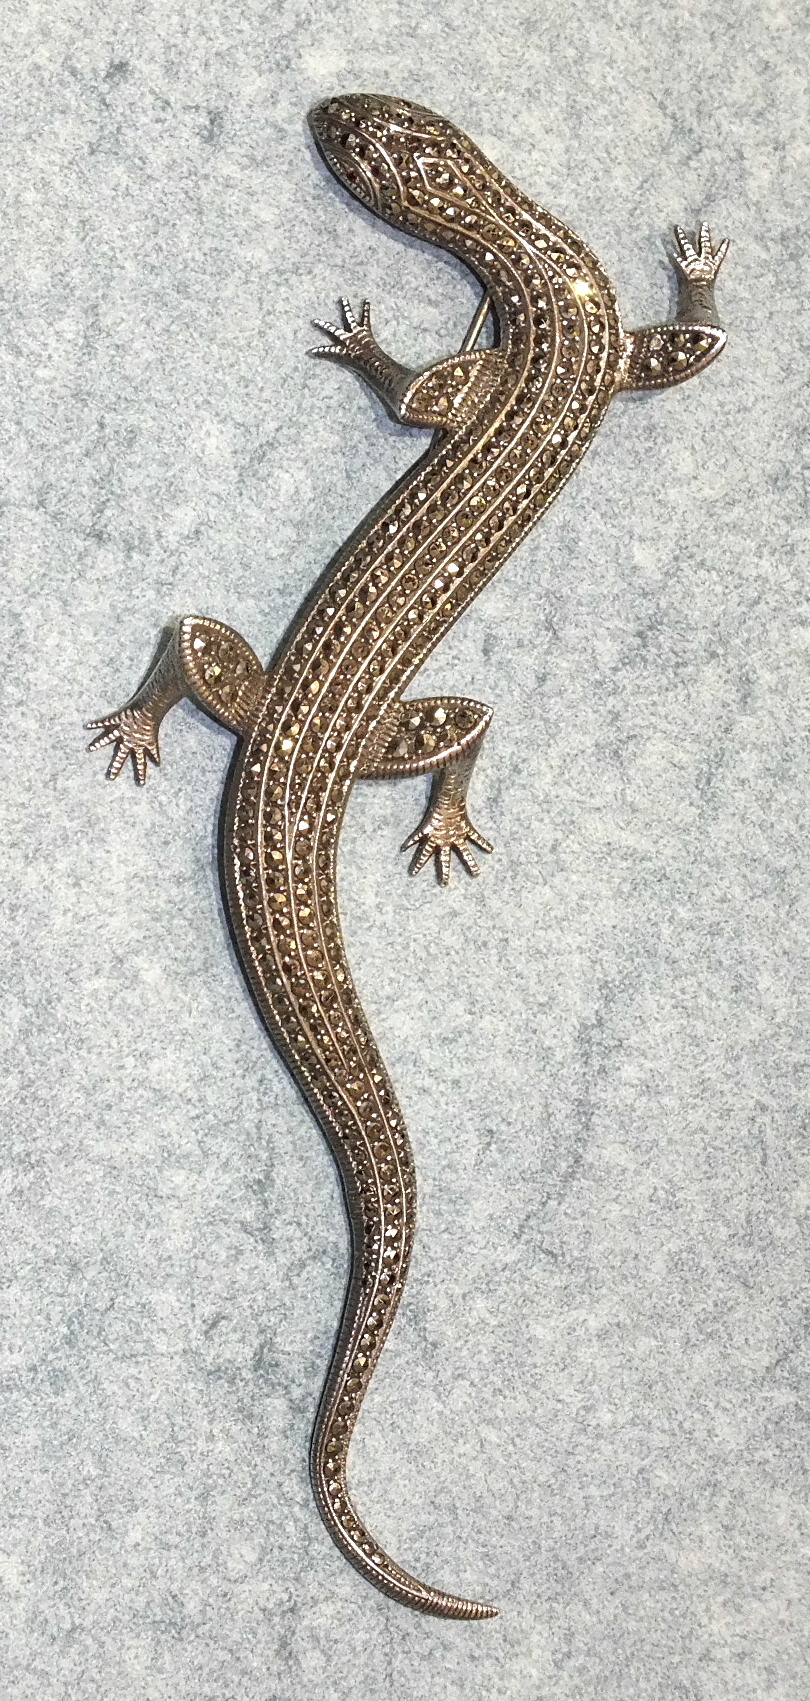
201 659
661 355
442 736
446 395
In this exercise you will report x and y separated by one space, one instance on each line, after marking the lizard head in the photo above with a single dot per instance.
378 146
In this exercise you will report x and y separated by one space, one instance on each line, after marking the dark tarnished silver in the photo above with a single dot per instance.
510 424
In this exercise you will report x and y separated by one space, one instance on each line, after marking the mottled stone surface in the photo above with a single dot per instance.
594 1406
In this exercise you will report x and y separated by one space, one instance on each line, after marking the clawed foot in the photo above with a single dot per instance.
354 345
444 828
134 732
699 264
353 341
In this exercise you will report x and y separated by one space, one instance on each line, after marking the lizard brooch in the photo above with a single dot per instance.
510 424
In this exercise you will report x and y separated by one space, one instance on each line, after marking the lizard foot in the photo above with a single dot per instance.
134 732
701 264
354 342
445 827
351 339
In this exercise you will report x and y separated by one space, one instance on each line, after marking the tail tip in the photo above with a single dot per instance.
453 1606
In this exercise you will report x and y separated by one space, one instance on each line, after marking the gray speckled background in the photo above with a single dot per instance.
594 1408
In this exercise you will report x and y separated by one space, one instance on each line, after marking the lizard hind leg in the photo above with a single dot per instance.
200 659
439 736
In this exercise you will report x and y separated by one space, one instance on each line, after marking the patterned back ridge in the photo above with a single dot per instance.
389 599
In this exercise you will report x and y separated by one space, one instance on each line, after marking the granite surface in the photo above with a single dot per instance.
594 1406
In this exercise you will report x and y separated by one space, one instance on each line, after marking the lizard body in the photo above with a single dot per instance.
511 424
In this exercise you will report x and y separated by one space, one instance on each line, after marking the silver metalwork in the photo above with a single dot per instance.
511 423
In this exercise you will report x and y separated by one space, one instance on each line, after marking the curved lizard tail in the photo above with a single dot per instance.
365 1128
368 1558
328 1469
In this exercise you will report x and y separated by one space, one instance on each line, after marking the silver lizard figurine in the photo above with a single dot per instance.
510 424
